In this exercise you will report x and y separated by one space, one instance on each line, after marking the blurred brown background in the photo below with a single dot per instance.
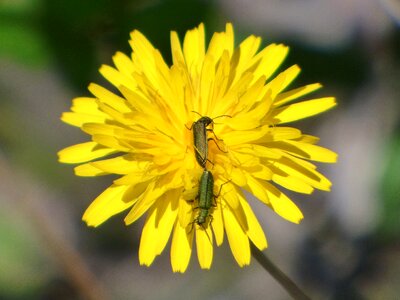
348 245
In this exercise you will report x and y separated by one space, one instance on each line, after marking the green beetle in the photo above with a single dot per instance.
205 197
200 138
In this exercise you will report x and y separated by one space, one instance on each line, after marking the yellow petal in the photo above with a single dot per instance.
181 248
256 188
229 37
221 41
308 139
254 231
238 177
86 105
145 201
304 163
281 133
88 170
307 151
297 168
125 164
176 49
115 115
240 214
288 96
260 172
116 78
107 204
281 81
204 246
139 102
148 240
302 110
230 195
218 225
244 159
124 64
259 150
141 46
78 119
244 54
102 129
185 214
228 101
194 49
247 115
83 152
165 221
109 98
315 152
292 183
133 178
153 70
111 142
238 240
220 85
269 59
245 136
157 230
164 187
282 205
84 110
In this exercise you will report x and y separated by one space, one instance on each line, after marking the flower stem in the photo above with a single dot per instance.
279 276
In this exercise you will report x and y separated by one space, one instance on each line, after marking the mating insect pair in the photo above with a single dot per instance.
206 185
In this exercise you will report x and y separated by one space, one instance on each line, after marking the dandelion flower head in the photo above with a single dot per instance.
143 133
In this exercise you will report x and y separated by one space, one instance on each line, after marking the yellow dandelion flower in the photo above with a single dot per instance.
145 134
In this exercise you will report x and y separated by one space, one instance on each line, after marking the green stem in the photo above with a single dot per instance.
279 276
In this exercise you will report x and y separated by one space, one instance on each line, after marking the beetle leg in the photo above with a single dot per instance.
212 139
220 188
212 130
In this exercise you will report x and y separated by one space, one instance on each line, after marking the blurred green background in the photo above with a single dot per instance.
348 246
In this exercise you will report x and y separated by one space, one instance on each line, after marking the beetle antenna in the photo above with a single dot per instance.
193 111
220 116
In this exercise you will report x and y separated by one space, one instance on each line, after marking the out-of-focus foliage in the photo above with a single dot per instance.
84 34
21 38
390 189
20 261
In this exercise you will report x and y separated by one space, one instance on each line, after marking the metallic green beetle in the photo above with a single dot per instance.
205 196
200 138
